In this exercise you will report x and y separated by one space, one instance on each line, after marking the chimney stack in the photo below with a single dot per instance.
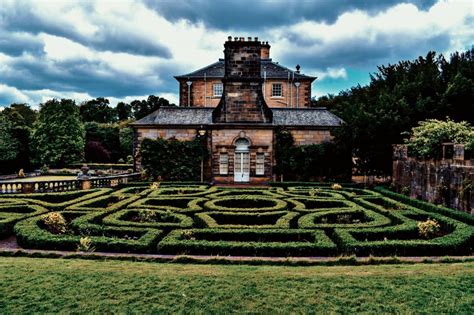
265 52
242 99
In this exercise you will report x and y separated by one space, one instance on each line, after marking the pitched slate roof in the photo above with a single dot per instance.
175 115
195 116
319 116
273 71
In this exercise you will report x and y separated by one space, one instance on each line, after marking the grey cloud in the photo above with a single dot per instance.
362 54
21 18
251 14
15 44
83 76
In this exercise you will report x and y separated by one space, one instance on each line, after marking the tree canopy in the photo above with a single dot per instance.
58 136
426 139
397 98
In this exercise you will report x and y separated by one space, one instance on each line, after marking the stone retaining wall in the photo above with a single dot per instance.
449 181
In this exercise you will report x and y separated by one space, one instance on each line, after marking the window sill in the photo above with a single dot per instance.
277 97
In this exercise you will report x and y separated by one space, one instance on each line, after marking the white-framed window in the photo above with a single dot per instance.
217 89
277 90
223 164
260 164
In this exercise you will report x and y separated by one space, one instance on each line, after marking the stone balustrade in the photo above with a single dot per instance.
66 185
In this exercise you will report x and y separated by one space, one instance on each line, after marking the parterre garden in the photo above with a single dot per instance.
299 220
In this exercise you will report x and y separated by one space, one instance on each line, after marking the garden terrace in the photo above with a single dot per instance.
197 219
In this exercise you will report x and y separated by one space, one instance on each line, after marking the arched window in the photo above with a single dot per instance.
242 145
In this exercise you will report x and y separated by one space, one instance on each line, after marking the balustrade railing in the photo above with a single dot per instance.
66 185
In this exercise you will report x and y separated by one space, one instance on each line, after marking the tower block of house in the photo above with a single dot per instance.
238 102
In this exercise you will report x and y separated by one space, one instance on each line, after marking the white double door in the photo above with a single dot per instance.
242 167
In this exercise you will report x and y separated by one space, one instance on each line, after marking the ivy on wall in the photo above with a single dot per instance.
173 159
326 161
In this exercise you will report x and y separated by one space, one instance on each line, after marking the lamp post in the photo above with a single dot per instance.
189 92
202 133
297 84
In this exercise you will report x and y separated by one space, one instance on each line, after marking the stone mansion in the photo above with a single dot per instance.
238 102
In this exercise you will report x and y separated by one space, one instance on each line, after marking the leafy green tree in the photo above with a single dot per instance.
397 98
58 135
9 145
143 108
426 139
124 111
18 120
126 142
104 136
27 116
97 110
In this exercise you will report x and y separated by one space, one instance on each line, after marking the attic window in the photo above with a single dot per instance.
277 90
217 89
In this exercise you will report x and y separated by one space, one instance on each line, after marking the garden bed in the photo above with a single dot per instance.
285 221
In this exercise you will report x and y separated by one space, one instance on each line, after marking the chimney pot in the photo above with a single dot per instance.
229 38
249 39
255 39
236 38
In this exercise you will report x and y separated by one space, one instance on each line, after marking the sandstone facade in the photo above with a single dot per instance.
240 125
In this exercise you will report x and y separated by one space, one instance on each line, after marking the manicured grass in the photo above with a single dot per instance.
32 285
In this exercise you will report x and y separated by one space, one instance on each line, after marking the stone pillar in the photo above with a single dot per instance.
27 188
86 184
458 152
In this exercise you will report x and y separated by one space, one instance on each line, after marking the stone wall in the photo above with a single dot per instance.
306 136
223 141
447 181
199 88
201 92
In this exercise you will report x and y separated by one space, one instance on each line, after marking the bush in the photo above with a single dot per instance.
429 228
173 159
55 223
426 139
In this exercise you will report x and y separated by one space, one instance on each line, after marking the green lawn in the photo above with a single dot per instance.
80 286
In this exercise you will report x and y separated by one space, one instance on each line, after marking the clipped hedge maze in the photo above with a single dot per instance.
279 221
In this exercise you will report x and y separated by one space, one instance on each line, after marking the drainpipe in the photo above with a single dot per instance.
297 84
189 91
288 89
291 89
205 90
264 82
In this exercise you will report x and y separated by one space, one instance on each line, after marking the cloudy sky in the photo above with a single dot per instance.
124 50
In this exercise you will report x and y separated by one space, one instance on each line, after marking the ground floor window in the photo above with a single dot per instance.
260 164
223 164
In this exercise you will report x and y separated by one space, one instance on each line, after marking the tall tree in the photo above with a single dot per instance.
58 135
143 108
124 111
97 110
20 119
397 98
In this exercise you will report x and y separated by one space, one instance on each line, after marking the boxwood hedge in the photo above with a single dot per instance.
249 220
248 242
